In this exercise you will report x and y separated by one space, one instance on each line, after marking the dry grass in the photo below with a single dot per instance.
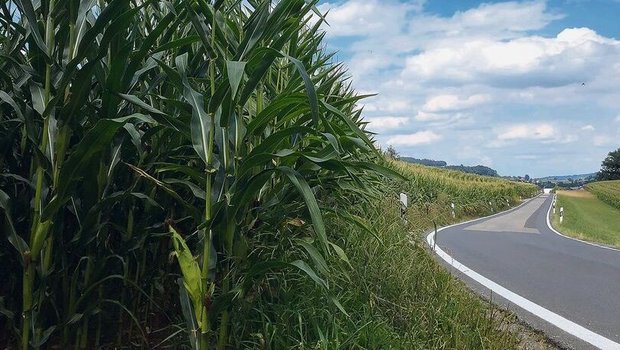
576 194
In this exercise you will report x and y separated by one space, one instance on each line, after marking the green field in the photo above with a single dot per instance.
588 218
607 191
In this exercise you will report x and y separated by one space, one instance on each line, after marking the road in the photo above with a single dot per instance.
567 288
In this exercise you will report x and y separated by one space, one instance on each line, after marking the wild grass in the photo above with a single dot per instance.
588 218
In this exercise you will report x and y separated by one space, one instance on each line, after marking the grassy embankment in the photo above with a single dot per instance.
592 214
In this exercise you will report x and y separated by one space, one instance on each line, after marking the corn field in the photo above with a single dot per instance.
472 194
166 164
607 191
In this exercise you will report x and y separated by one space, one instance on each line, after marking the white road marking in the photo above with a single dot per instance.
528 305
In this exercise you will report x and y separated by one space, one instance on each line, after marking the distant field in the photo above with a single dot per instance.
607 191
588 218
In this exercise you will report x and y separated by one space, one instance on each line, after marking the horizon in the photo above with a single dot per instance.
504 175
523 87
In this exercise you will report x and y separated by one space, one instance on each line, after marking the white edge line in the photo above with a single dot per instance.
539 311
573 238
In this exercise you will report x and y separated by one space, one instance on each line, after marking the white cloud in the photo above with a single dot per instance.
506 19
448 102
429 117
528 131
359 17
418 138
496 77
385 123
574 56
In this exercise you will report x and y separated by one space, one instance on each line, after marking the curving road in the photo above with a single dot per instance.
567 288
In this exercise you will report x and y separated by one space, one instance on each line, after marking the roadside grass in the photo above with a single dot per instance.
394 293
588 218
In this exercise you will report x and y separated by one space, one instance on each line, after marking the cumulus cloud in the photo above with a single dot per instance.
503 20
359 17
528 131
497 75
574 56
450 103
385 123
418 138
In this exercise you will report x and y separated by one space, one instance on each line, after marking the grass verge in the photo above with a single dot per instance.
393 293
588 218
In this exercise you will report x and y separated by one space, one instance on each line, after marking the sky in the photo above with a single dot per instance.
524 87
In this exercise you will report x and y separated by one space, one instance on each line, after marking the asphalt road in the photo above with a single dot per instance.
519 252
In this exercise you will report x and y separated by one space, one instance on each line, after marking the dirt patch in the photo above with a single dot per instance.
576 194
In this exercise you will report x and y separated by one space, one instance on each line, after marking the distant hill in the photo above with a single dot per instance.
567 178
565 181
427 162
478 169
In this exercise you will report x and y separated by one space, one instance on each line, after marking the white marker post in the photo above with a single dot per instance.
561 214
553 205
404 203
453 213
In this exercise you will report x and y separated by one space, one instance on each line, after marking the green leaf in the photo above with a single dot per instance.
316 257
351 124
313 207
189 315
201 124
85 154
341 254
8 99
38 101
310 91
379 169
16 241
235 71
338 305
27 10
136 116
37 342
256 27
138 102
177 43
300 264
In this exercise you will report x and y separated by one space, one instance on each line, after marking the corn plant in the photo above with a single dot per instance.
607 191
129 129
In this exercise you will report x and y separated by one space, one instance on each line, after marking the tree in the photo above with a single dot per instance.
610 167
527 178
391 152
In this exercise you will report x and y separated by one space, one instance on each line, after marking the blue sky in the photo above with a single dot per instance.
526 87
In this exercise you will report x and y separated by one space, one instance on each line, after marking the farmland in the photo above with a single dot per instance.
607 191
197 175
587 217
